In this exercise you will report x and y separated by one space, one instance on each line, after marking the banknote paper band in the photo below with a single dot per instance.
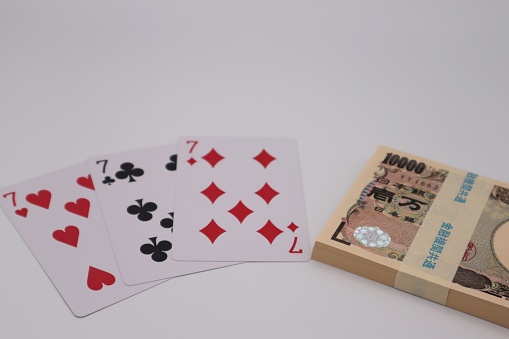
438 247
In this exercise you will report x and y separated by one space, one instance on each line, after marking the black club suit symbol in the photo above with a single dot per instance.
167 222
108 180
172 165
156 249
129 171
142 210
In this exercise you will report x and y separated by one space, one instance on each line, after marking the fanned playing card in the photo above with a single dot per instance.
136 193
58 217
239 199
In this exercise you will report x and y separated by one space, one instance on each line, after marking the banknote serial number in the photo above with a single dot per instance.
418 181
403 162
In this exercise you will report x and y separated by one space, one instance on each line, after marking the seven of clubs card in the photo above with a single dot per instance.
59 218
136 192
239 199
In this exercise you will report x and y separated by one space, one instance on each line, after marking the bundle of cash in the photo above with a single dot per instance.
428 229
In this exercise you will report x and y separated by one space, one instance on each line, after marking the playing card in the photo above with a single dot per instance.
136 193
239 199
58 217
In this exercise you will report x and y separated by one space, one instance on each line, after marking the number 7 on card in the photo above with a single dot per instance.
239 199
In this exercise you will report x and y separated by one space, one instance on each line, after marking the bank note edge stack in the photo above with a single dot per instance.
384 270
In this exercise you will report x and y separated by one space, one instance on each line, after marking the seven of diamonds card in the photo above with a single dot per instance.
136 192
59 219
239 199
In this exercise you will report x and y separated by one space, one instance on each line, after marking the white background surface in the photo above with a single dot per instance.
83 78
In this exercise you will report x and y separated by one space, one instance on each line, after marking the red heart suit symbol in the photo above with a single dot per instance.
80 207
68 236
41 198
97 278
22 212
86 182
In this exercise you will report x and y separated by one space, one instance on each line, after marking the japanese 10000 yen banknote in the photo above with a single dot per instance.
398 198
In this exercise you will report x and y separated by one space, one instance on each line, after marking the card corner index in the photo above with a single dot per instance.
184 138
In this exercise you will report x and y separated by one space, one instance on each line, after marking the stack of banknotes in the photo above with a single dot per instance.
428 229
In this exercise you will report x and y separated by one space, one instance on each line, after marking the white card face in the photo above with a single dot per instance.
60 220
240 199
136 192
